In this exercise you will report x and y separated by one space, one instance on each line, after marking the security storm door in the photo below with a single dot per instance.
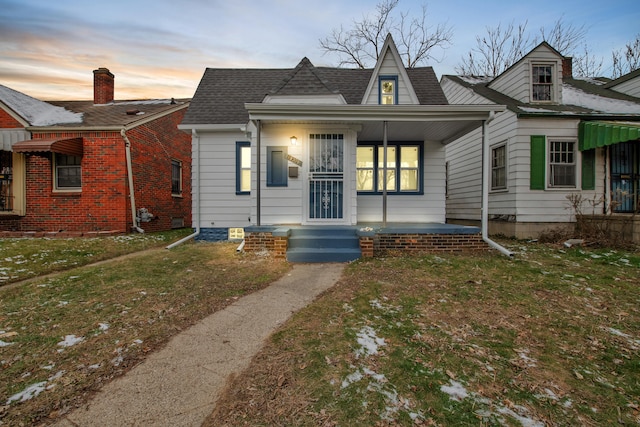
625 176
326 177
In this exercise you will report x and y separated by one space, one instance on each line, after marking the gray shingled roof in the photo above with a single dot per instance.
222 92
524 109
116 114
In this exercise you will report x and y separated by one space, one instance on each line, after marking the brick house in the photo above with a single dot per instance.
68 166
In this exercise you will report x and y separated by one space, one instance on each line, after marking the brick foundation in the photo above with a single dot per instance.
266 241
428 243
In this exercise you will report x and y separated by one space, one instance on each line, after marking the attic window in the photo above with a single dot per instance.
542 83
388 90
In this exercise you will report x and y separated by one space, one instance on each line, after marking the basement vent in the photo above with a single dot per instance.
177 222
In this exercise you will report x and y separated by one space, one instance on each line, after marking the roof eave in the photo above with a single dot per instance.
421 113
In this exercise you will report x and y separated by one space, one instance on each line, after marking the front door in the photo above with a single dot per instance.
625 176
326 177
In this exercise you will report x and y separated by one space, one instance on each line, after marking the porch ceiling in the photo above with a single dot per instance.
443 123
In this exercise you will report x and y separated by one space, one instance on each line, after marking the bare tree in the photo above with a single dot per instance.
586 65
499 49
565 38
502 47
627 59
360 45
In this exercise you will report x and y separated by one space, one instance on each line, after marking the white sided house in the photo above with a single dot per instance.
561 139
307 160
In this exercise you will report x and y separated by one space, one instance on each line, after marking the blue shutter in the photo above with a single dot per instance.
276 166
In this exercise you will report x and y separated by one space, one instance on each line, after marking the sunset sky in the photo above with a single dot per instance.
160 48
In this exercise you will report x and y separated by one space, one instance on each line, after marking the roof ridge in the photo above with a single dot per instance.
304 64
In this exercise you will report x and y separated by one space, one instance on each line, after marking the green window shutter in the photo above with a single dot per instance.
589 170
538 165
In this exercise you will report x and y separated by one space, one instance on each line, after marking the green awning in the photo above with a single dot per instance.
598 134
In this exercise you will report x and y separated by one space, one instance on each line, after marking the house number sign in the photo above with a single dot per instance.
294 160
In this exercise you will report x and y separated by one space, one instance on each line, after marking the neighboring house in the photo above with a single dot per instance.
628 84
559 138
286 148
69 167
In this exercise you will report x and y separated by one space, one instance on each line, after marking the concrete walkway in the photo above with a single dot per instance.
179 385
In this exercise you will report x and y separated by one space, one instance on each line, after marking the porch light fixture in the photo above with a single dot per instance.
294 140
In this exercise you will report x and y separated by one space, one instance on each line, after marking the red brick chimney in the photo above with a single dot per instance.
567 67
103 86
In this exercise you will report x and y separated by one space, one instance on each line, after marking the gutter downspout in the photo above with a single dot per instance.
485 188
258 171
127 150
195 190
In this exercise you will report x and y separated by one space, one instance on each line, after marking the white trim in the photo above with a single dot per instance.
506 167
226 127
577 163
554 81
288 113
348 137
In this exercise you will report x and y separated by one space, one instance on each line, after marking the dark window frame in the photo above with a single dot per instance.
377 170
381 80
176 177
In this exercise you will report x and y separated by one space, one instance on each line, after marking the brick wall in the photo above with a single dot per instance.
265 241
100 206
7 121
429 242
103 205
153 147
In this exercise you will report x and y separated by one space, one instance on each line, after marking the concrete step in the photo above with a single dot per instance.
323 244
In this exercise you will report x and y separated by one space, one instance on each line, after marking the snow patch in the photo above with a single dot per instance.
36 112
70 340
475 79
575 96
369 342
455 390
28 393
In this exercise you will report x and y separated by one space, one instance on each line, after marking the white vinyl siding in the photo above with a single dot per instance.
630 87
390 68
220 207
516 81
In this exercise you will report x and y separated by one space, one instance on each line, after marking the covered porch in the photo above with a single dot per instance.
383 217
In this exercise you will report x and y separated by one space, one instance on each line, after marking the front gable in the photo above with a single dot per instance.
534 79
304 85
389 83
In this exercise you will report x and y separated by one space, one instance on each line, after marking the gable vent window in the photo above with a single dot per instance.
542 83
388 90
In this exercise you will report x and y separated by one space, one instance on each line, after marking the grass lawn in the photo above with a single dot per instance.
63 336
551 338
23 258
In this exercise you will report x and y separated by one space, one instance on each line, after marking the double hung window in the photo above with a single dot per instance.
68 172
542 83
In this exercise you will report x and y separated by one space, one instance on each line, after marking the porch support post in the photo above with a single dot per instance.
384 173
258 162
